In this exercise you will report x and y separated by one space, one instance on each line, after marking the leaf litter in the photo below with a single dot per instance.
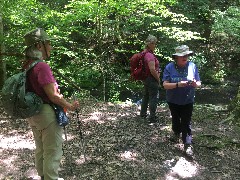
117 144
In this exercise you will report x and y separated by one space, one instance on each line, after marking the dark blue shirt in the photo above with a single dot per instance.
173 74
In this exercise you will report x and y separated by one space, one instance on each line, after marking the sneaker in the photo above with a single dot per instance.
174 137
189 139
188 149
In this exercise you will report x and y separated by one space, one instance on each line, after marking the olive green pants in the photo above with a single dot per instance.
48 140
150 97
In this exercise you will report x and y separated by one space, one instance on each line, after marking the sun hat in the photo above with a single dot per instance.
35 36
182 51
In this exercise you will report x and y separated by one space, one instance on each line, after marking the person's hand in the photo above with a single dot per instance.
183 84
194 84
74 105
187 83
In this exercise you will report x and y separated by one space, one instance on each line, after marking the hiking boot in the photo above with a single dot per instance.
188 149
174 137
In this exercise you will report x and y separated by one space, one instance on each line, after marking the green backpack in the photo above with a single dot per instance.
15 100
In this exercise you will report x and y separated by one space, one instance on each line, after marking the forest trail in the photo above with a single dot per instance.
120 145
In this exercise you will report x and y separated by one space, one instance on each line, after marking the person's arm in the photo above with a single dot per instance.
173 85
153 71
196 84
58 98
168 85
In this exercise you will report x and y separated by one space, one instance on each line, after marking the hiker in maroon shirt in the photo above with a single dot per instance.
40 80
151 83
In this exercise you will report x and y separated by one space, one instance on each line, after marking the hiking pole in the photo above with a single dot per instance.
68 157
82 141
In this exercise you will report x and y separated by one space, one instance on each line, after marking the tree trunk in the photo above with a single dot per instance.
2 63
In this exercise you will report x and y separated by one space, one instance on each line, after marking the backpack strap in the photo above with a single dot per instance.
25 74
33 64
143 53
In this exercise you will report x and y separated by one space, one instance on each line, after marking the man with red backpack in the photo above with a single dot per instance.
152 80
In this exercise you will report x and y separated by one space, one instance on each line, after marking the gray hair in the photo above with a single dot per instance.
33 53
150 39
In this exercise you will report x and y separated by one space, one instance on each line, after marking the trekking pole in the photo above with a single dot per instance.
80 131
68 157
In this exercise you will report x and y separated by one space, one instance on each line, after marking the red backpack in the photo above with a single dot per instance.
137 65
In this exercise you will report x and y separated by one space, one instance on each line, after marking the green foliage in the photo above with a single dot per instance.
95 39
199 59
114 93
227 22
235 108
224 49
89 78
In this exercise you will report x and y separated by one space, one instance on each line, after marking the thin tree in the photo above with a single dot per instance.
2 63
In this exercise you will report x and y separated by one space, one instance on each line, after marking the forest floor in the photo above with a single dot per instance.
119 145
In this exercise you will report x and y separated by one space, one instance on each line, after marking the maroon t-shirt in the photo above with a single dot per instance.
151 57
39 76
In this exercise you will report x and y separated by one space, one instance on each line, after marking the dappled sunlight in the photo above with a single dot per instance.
182 169
16 142
127 103
7 165
103 112
103 116
119 144
155 138
167 128
100 117
69 136
128 156
9 161
81 160
97 116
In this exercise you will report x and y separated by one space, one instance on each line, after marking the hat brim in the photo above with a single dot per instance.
26 47
183 54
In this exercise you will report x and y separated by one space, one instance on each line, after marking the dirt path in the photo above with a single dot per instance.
120 145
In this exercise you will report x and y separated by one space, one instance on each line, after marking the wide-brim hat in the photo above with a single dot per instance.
182 51
35 36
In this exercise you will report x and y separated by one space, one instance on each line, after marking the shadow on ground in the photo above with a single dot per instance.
119 145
